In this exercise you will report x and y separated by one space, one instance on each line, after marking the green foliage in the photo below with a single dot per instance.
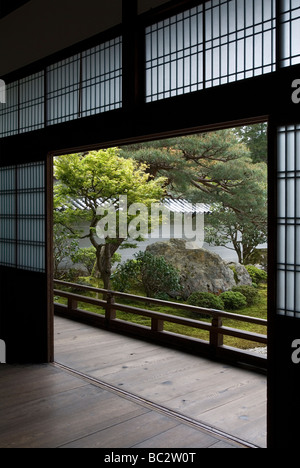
233 300
239 214
162 296
216 168
225 169
192 162
153 273
257 275
98 179
255 137
163 160
101 176
250 293
65 245
206 300
116 258
86 257
158 276
71 275
259 257
236 278
126 276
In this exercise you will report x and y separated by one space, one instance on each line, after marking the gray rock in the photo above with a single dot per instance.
200 269
242 276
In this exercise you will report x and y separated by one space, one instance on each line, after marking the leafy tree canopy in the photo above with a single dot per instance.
255 137
217 168
96 179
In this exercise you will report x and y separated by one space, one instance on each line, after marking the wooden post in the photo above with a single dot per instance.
157 325
110 312
72 304
216 338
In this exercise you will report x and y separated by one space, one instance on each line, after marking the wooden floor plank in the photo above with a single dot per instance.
43 382
189 384
183 436
127 433
64 417
221 444
76 412
44 406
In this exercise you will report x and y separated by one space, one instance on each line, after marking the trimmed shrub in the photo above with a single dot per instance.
257 275
153 273
126 275
233 300
158 276
206 300
162 296
250 293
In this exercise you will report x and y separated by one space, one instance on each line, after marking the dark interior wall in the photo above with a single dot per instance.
8 6
225 105
23 322
25 298
41 28
26 319
146 5
283 383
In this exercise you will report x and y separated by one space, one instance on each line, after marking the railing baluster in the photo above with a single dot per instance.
157 325
110 312
72 304
214 347
216 338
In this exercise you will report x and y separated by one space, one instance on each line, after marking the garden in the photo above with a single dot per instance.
150 276
224 170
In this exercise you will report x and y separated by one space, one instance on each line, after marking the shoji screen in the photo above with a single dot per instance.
215 43
288 287
8 207
22 216
174 55
24 108
102 78
85 84
9 113
31 103
289 22
63 84
284 288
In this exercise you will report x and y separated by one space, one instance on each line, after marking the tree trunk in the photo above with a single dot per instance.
237 248
104 254
248 250
104 264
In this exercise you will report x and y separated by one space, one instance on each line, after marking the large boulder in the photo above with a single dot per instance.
200 269
242 277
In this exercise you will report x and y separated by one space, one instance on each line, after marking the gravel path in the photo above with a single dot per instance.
259 350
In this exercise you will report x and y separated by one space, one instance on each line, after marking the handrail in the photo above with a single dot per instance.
215 347
175 305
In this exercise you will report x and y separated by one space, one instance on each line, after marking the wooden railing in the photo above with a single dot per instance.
213 348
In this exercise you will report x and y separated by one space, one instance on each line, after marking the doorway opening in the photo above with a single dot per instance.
194 236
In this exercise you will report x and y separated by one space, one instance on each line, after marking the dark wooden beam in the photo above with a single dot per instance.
223 106
130 66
